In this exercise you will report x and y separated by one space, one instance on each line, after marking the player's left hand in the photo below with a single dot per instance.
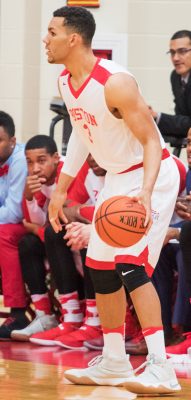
144 198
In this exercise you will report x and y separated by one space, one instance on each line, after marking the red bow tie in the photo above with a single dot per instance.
4 170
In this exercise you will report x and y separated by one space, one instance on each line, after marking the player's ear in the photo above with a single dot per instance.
75 39
56 158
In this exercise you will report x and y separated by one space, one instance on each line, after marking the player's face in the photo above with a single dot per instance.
188 148
181 58
57 41
7 145
97 170
42 164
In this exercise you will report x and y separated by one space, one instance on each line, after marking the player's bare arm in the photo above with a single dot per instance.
124 100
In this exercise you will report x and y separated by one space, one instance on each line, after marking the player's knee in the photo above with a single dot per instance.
132 276
105 282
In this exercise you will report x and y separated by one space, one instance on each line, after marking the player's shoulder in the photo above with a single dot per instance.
111 65
113 68
106 70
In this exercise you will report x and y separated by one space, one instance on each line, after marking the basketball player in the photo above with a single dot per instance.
112 122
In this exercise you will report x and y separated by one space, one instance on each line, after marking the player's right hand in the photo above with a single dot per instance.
55 210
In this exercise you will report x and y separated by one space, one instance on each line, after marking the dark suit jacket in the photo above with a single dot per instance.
178 125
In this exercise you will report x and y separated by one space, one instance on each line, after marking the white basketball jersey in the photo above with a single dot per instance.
107 138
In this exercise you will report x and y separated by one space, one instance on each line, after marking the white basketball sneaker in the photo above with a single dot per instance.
102 370
158 377
41 323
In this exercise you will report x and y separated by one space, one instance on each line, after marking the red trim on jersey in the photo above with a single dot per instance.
40 198
103 265
101 75
136 261
182 171
87 212
149 269
142 259
76 93
64 72
165 154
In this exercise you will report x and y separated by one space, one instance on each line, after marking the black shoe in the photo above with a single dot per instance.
11 324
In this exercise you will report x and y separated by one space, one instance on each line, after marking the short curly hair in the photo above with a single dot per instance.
79 19
42 142
6 121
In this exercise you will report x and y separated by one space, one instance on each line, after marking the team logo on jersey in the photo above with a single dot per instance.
79 114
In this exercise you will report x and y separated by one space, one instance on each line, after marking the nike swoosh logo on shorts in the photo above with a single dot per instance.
128 272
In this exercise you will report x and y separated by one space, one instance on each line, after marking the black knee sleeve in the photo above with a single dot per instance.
132 276
105 282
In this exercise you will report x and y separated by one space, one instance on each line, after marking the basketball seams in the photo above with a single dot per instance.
100 219
122 231
117 212
117 226
106 233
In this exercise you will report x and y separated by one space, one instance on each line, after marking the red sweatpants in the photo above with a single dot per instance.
12 281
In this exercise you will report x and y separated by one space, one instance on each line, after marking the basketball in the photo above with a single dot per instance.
119 221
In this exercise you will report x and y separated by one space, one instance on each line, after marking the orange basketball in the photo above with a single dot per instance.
119 221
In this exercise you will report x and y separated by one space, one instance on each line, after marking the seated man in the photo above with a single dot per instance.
84 190
13 171
44 166
177 125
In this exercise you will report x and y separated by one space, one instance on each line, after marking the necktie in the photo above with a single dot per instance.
188 181
4 170
183 85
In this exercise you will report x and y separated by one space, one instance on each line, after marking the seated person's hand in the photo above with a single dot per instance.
172 233
77 235
31 227
183 207
78 212
33 185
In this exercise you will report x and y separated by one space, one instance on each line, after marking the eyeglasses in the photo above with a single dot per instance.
180 52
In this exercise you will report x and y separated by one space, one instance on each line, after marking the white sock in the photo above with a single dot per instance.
155 341
114 345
